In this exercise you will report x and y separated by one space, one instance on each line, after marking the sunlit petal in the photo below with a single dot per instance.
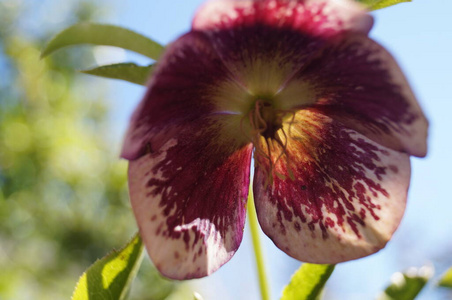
334 195
189 199
189 162
314 17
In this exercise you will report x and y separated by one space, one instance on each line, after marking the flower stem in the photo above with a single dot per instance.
254 227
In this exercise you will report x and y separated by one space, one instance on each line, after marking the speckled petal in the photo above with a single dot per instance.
189 161
357 82
335 196
189 199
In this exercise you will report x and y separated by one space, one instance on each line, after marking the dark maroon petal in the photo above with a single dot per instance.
335 195
262 58
357 82
312 17
263 43
189 199
189 82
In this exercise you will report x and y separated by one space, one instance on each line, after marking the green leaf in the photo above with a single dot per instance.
124 71
378 4
107 35
111 276
307 283
446 279
406 286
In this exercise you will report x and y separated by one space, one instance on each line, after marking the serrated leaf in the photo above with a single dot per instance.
124 71
446 279
378 4
406 286
110 277
106 35
307 283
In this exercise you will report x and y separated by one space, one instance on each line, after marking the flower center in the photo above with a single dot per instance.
268 136
265 120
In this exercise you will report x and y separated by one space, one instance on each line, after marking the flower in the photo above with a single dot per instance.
327 111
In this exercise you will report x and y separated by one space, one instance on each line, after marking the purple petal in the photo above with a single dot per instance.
190 82
335 195
189 200
263 43
357 82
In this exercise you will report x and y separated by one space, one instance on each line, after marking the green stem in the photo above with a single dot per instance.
254 227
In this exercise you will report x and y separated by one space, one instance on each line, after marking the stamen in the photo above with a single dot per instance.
266 123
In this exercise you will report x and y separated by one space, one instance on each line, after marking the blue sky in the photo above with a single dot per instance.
419 35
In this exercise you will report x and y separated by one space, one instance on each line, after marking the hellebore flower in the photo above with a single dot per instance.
327 111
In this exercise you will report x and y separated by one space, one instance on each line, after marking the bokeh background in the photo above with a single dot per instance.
63 192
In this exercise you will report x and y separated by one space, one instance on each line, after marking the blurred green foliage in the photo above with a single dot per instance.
407 286
63 191
446 279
